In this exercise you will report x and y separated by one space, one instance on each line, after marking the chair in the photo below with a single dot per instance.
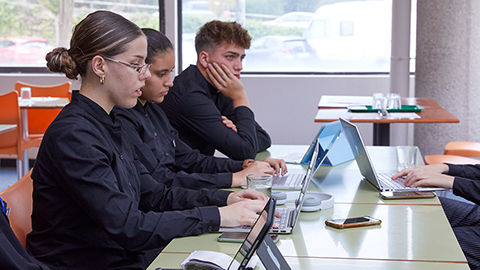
465 149
13 142
20 201
39 119
452 159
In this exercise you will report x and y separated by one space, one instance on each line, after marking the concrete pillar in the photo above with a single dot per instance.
448 69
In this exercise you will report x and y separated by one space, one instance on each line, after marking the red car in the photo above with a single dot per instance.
25 51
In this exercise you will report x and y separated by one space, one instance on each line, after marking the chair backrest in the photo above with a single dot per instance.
452 159
463 148
39 119
59 90
10 114
20 201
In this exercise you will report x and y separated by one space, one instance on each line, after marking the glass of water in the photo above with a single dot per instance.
406 156
394 101
25 92
378 101
260 182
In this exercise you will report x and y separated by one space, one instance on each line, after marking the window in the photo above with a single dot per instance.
335 35
319 29
32 28
346 28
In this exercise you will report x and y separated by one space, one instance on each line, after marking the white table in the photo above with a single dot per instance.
6 128
36 103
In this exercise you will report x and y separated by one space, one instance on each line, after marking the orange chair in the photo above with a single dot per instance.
452 159
39 119
464 149
13 142
20 201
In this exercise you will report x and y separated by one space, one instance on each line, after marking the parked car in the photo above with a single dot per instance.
280 53
24 51
292 19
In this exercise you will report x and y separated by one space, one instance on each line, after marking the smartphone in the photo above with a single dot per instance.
353 222
238 237
406 194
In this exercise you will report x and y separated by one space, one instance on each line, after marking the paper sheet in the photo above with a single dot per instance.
216 260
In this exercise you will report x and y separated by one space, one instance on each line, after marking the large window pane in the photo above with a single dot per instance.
302 35
31 28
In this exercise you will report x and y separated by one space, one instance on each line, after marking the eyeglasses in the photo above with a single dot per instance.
140 69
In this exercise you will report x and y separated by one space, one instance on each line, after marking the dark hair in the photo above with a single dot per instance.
100 33
158 43
213 34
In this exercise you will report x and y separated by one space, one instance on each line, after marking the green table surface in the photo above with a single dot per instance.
414 234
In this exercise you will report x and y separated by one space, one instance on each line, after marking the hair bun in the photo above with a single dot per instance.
60 60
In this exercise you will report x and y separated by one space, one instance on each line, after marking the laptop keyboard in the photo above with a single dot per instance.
387 182
287 218
289 180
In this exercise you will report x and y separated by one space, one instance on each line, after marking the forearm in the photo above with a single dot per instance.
263 139
201 116
241 100
192 180
242 144
467 188
470 171
193 161
158 197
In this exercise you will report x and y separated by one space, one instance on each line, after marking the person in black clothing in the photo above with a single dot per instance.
12 254
464 217
95 206
208 104
166 156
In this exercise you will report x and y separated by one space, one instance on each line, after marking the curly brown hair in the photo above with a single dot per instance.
214 33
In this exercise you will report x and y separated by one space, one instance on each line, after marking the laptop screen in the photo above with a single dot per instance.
359 151
324 146
256 235
310 172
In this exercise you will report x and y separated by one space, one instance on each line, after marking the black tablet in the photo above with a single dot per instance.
255 237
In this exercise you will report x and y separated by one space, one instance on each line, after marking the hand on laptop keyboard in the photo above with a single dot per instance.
427 176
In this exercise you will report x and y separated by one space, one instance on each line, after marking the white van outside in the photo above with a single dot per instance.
352 36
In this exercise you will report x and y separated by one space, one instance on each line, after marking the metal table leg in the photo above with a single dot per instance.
381 134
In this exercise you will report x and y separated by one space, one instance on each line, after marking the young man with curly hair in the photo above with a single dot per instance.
208 104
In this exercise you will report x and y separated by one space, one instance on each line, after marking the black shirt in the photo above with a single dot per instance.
467 181
195 107
167 157
94 204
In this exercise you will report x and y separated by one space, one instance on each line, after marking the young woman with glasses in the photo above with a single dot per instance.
95 206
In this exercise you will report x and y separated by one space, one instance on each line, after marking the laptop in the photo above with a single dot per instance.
325 133
289 217
254 241
381 181
295 181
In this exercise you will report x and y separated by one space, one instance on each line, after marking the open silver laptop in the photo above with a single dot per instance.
295 181
381 181
289 215
289 218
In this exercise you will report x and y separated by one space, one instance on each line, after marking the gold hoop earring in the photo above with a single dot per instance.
102 79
